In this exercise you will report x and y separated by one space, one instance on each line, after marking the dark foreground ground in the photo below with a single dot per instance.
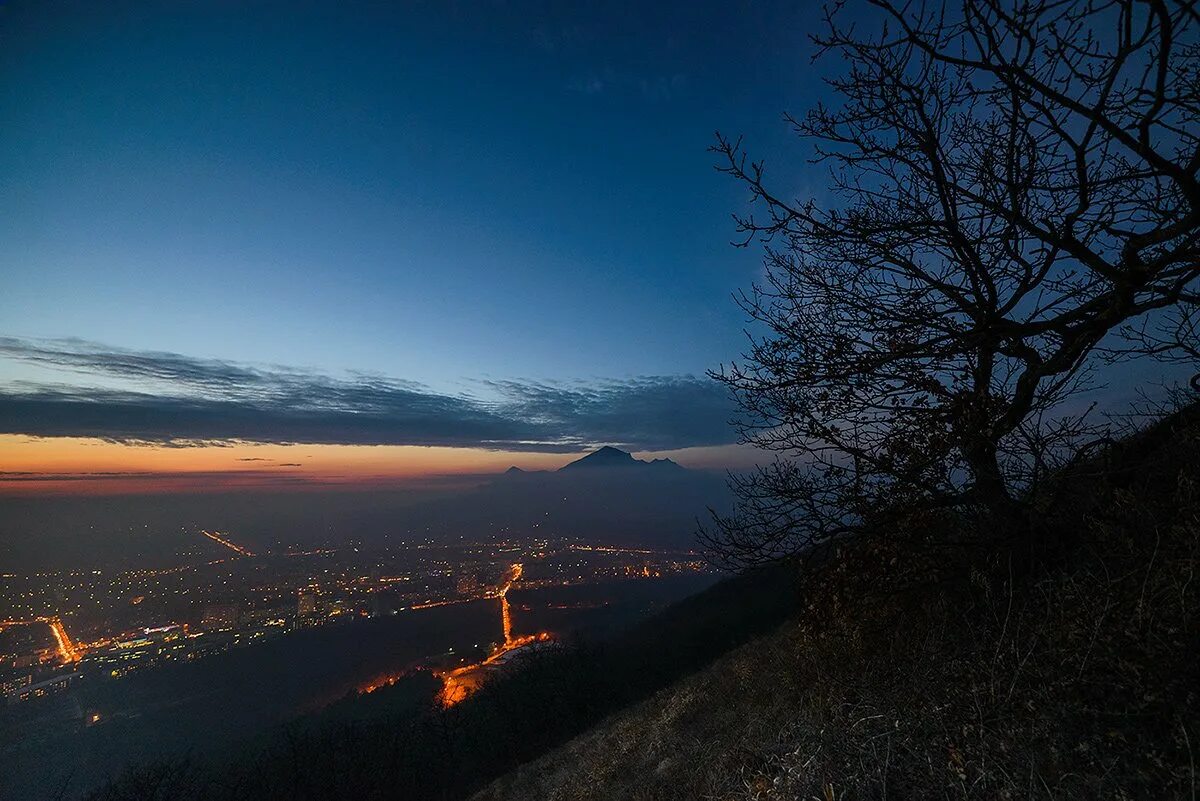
1063 669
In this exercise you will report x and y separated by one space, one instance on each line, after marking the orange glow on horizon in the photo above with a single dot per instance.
81 466
90 466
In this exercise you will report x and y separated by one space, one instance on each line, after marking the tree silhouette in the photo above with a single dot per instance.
1014 196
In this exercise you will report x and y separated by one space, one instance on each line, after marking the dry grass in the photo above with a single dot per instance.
985 678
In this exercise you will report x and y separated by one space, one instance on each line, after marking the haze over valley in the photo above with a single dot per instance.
485 401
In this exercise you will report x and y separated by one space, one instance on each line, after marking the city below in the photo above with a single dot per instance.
64 629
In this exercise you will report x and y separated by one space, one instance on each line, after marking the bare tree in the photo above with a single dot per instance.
1015 193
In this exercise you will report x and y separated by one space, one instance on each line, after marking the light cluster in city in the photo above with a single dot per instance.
65 627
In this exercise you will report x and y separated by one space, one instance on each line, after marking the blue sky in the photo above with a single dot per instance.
491 229
434 192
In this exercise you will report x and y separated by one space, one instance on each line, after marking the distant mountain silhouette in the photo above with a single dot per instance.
602 497
609 456
605 496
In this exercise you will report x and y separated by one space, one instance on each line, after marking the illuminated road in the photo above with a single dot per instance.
451 602
505 612
221 538
66 648
460 682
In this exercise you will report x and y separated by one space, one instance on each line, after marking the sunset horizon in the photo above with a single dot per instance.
509 400
84 418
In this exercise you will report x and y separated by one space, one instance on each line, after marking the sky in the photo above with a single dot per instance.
366 242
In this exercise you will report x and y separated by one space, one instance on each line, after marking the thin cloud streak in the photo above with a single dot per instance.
179 400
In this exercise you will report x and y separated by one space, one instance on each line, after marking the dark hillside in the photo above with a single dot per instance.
973 675
396 742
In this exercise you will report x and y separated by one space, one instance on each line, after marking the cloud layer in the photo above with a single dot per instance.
167 398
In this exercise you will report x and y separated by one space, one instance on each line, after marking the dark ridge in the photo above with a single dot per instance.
608 456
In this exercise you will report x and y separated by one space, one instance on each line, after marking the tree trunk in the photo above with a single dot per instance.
1010 518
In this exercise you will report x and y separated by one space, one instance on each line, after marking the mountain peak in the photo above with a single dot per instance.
609 452
513 471
608 456
664 462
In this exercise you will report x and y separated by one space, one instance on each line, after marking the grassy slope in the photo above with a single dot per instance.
941 673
